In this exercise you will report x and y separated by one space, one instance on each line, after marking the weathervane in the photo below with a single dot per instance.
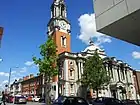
91 41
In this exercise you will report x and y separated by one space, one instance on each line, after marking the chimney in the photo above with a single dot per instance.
31 75
27 77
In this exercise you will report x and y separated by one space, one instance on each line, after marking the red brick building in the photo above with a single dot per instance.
32 85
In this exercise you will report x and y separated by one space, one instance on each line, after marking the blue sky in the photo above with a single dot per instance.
25 27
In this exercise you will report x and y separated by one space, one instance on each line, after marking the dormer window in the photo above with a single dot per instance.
63 41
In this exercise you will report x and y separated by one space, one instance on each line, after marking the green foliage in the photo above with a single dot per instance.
94 75
48 63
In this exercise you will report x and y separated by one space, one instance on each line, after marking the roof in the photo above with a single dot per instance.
30 79
92 48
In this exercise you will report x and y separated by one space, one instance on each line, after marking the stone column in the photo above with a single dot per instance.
82 68
120 74
116 78
66 78
79 69
109 91
126 80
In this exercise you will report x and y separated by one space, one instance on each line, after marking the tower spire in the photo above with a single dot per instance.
58 9
58 1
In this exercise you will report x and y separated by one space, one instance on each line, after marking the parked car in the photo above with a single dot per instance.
36 99
107 101
75 101
10 99
130 102
20 100
41 100
90 100
30 98
60 100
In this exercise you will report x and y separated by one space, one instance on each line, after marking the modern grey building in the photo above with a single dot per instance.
119 19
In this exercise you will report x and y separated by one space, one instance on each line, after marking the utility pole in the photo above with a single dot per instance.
9 79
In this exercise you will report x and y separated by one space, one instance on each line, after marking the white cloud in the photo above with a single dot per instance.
13 72
4 74
136 55
23 70
1 60
29 63
88 30
5 82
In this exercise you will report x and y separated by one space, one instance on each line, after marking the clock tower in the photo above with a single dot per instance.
59 26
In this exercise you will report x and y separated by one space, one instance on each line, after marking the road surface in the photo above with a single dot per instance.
28 103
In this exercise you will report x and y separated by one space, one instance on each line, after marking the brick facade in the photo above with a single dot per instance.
32 86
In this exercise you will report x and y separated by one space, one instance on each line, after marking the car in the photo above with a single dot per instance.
130 102
90 100
72 100
36 99
41 100
30 98
107 101
20 100
60 100
10 99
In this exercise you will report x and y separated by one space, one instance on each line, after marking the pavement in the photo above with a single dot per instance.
28 103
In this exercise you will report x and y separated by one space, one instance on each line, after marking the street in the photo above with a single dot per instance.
29 103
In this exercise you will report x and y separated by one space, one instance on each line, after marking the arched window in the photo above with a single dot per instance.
71 74
63 41
72 88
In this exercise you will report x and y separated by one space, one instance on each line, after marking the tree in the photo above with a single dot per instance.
47 64
94 73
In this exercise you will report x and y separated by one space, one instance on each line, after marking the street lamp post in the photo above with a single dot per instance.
10 77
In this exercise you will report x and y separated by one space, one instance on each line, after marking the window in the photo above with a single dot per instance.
111 73
63 41
71 87
122 72
71 63
54 88
71 73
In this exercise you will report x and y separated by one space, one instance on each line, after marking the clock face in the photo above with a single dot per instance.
63 25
